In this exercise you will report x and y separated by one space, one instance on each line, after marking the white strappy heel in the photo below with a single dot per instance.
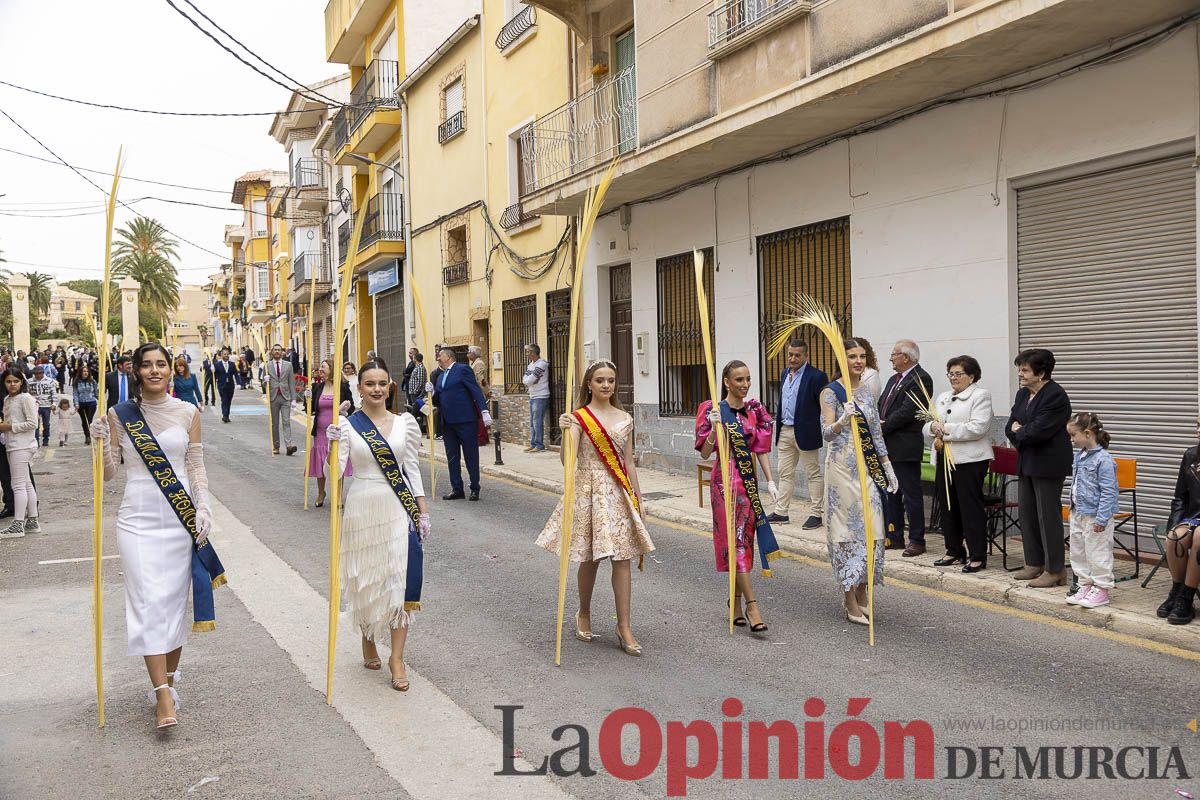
166 722
175 677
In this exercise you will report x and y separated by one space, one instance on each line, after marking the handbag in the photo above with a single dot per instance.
481 429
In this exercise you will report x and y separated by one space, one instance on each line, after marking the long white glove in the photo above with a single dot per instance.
203 524
333 433
428 388
714 416
99 428
566 421
424 527
773 490
344 408
487 419
198 482
848 412
308 394
893 485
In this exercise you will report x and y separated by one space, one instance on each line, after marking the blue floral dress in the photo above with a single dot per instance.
845 524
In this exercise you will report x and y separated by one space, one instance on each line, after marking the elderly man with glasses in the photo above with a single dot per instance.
906 445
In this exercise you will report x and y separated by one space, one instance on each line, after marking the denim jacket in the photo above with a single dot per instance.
1094 488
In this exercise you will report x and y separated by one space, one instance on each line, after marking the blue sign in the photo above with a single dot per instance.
380 280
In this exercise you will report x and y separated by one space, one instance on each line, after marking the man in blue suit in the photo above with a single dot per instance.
226 376
798 433
460 403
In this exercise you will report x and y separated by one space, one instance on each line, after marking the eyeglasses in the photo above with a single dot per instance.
956 374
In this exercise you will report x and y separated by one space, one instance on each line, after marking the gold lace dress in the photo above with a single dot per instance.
605 523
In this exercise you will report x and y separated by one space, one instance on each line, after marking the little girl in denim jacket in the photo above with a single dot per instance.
1094 504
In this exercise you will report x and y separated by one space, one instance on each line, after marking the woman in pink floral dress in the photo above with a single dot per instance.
756 425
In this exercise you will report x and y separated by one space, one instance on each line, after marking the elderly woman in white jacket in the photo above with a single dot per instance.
965 431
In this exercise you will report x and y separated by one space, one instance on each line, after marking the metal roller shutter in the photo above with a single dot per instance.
1106 278
389 329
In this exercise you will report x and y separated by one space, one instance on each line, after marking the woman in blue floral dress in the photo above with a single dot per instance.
845 510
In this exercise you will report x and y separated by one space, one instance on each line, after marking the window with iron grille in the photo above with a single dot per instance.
519 317
813 260
558 353
682 383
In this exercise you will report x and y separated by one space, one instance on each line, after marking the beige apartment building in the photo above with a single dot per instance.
978 175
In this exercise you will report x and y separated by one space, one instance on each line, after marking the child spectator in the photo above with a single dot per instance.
65 414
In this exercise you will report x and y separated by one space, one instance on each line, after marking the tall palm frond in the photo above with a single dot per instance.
39 292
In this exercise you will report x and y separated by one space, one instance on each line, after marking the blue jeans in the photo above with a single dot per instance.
537 420
44 418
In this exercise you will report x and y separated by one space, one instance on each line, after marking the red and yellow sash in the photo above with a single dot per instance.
608 453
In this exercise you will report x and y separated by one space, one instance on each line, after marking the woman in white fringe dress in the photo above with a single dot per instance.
375 527
156 550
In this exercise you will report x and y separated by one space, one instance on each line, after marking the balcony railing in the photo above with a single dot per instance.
452 127
341 128
385 219
456 273
309 264
586 132
308 173
522 21
736 17
375 88
345 230
513 217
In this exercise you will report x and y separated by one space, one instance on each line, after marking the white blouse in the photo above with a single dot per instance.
968 420
20 411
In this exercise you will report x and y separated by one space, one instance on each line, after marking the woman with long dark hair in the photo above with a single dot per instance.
1183 546
19 430
846 509
383 523
744 417
156 548
607 522
84 391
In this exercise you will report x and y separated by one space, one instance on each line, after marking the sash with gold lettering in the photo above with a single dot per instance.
869 451
207 572
610 456
394 475
742 458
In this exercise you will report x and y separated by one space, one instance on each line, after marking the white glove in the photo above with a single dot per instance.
428 388
203 524
566 421
773 490
487 419
334 433
424 527
344 408
714 417
308 394
844 420
893 485
100 428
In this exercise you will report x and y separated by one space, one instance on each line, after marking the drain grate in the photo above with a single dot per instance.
658 495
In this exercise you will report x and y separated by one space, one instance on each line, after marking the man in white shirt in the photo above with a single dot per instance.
537 382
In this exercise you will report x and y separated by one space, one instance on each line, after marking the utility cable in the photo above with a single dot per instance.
105 172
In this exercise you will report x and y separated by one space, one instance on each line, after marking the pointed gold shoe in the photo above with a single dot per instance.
581 635
630 649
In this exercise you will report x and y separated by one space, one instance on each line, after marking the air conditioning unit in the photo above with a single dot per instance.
258 305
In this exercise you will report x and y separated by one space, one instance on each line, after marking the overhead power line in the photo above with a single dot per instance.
302 90
93 270
106 172
65 163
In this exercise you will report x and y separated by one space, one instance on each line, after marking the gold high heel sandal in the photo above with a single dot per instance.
582 635
630 649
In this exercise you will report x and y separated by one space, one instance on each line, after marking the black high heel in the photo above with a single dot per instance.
972 570
759 627
948 561
739 621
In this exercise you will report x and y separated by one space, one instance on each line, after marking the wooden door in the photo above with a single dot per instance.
621 316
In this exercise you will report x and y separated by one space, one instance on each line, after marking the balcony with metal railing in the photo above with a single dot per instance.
739 22
514 218
311 264
513 30
385 219
375 88
453 126
345 230
341 128
309 184
584 133
456 273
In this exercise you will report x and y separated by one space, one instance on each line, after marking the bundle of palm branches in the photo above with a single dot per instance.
927 412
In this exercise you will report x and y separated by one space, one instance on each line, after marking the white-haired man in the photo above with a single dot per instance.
906 445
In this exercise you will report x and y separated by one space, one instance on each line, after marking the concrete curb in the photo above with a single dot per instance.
990 588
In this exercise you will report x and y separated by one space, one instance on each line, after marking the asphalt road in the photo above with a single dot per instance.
255 715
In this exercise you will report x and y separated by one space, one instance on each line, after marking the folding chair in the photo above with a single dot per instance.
1001 512
1157 533
1127 485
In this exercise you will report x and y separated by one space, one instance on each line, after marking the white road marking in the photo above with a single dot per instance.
74 560
433 748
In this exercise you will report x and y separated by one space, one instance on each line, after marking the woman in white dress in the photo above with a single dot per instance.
376 528
156 549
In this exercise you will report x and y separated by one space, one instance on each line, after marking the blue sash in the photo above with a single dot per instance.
394 473
207 572
870 453
744 461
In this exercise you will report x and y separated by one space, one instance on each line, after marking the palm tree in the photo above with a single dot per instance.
39 292
159 280
145 235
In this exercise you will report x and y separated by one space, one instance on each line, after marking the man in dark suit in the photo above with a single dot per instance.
433 379
458 398
210 394
226 375
798 433
906 445
118 386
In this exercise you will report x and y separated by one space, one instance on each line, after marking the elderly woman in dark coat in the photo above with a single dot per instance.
1037 427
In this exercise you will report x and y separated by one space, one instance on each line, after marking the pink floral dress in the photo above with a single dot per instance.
757 426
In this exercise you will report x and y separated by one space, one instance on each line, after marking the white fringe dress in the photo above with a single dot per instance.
375 529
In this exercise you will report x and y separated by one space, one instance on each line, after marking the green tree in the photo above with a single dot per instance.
144 235
158 277
85 285
39 292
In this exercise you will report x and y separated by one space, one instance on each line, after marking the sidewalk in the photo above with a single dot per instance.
672 498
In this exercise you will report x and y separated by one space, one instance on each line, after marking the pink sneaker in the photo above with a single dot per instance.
1096 598
1077 598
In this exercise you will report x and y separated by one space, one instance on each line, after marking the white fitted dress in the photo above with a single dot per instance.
156 550
375 529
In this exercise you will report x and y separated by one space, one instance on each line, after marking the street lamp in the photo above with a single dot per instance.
366 160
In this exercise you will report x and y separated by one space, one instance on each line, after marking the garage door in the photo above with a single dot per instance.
1106 278
389 328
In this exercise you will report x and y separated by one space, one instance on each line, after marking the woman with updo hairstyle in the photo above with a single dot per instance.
377 531
607 521
964 425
